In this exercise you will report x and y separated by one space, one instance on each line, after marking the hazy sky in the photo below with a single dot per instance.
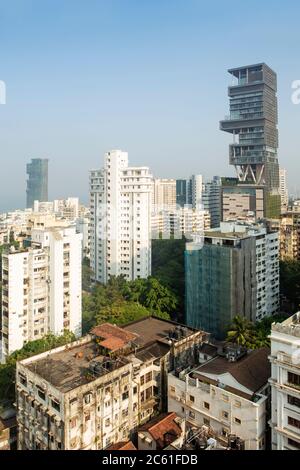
147 76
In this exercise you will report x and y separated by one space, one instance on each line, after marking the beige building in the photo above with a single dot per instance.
96 391
164 194
242 205
290 235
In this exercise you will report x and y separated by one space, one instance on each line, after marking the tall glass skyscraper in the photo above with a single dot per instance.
253 123
37 183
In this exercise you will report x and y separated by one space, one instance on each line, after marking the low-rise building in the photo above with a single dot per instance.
228 393
96 391
285 384
161 432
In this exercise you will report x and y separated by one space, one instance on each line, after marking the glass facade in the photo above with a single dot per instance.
37 183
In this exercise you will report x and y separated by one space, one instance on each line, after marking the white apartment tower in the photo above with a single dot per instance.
41 288
120 204
285 384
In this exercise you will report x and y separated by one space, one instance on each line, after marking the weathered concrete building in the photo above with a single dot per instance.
96 391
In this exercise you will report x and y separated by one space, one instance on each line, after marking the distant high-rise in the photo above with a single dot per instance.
189 191
283 189
253 123
37 183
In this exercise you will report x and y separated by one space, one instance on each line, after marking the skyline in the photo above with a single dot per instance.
98 79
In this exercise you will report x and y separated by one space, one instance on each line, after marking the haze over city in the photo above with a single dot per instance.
147 77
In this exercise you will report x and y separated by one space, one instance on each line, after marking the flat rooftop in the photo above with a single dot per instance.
290 326
151 329
69 368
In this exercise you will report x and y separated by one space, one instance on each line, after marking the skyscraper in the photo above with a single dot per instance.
37 183
253 123
120 203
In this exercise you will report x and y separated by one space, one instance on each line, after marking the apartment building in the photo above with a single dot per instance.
211 199
96 391
227 392
120 231
41 287
283 189
289 231
164 194
185 221
189 191
234 271
285 384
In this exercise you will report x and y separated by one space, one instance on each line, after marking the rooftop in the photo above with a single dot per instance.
83 361
151 329
290 326
70 368
125 445
163 429
252 371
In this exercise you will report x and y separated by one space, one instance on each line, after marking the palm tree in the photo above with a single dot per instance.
241 332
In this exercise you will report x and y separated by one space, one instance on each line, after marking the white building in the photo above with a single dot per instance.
164 194
184 221
283 189
41 288
120 204
285 384
226 394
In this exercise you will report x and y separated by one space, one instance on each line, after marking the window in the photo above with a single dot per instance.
192 415
293 443
237 403
294 379
225 414
192 398
294 401
172 389
41 394
206 422
107 423
125 395
134 390
294 422
55 405
237 421
148 377
87 398
23 380
206 405
142 380
225 397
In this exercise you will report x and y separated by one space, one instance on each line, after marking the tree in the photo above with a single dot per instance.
241 332
8 370
290 283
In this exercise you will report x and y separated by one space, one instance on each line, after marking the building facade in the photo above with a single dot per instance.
226 394
285 384
235 271
284 195
96 391
120 227
253 123
37 183
41 288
